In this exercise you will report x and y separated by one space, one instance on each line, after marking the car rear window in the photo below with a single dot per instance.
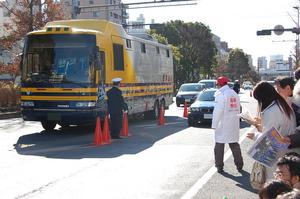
191 88
209 84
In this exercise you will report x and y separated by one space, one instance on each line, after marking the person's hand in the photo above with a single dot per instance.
286 140
250 135
258 127
257 120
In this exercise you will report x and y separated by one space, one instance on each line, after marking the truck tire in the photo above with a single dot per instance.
153 114
48 125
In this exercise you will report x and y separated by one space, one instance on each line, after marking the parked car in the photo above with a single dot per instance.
247 85
188 93
202 109
209 83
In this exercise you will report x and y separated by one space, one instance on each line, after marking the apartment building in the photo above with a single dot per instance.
110 10
4 18
262 63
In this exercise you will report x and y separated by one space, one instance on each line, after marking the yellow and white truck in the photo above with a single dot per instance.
68 66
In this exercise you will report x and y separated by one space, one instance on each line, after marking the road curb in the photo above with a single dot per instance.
9 115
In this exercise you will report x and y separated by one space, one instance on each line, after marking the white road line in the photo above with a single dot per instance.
155 125
206 177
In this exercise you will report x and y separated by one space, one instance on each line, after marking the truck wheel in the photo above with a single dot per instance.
153 114
48 125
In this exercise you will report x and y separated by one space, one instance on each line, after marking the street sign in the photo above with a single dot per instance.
278 29
264 32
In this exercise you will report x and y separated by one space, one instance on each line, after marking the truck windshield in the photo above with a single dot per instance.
59 59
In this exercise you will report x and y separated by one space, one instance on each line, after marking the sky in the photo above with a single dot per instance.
236 22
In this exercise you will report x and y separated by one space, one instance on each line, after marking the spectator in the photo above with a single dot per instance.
290 195
274 188
297 74
288 169
275 112
285 86
294 139
236 86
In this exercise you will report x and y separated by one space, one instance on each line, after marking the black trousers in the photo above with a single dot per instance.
115 123
236 152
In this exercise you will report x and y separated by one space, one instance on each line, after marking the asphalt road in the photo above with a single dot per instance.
171 161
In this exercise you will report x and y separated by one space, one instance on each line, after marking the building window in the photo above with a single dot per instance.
118 57
111 14
168 53
143 47
111 2
91 2
96 14
78 3
116 16
157 50
128 43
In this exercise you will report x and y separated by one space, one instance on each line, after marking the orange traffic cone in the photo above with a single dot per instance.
161 119
106 133
185 111
98 133
124 131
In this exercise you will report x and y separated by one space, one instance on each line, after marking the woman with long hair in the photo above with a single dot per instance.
274 112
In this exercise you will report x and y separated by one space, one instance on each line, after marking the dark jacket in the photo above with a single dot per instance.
115 101
236 87
295 140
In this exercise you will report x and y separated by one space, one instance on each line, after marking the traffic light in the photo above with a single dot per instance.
264 32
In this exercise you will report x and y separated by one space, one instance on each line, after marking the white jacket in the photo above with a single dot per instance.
273 116
226 116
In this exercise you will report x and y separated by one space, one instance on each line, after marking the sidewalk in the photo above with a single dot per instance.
231 183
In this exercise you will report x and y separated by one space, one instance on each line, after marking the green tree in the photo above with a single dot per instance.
196 47
238 64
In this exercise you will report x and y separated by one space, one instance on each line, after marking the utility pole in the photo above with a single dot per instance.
297 40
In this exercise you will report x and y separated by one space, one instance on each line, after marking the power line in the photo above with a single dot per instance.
124 6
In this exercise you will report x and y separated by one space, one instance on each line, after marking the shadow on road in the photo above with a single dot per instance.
243 124
77 142
242 181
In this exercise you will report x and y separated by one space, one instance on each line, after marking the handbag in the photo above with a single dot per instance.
257 176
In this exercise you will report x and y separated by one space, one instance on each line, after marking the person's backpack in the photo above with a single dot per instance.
257 176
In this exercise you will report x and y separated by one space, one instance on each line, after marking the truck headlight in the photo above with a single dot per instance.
85 104
27 103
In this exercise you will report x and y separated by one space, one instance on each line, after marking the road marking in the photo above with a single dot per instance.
54 149
155 125
207 176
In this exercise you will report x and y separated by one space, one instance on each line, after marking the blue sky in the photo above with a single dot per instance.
236 22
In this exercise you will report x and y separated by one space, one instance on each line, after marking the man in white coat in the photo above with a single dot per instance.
226 122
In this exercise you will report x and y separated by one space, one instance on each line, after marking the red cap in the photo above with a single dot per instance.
221 81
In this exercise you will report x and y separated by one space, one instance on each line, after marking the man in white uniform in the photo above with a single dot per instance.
226 122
